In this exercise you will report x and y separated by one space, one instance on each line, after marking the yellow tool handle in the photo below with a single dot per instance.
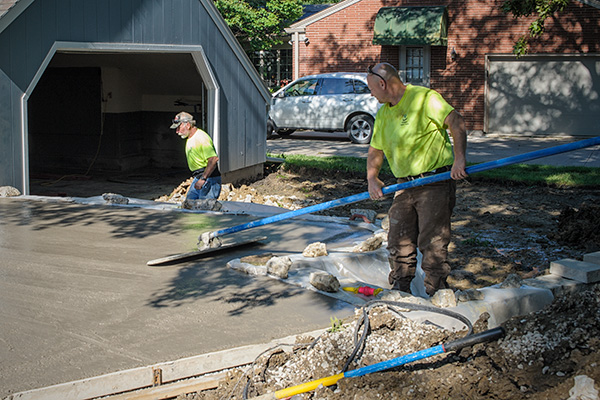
308 386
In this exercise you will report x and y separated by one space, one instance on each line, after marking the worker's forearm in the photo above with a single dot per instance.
210 167
458 130
374 163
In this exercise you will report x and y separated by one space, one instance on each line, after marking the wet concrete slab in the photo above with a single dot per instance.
77 299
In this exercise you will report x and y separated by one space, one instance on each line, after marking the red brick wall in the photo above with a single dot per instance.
343 42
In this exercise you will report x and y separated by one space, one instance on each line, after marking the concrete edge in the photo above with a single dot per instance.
501 304
145 377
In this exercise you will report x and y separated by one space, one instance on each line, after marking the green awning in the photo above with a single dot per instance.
411 26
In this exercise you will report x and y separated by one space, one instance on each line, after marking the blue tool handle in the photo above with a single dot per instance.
417 182
395 362
485 336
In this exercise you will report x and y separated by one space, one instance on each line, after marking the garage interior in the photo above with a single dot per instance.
109 112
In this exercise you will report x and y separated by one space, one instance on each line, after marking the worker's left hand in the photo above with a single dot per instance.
199 184
458 169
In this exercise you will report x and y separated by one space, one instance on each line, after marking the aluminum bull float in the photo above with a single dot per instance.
208 241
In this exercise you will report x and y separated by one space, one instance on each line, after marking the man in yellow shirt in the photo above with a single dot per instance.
201 157
410 131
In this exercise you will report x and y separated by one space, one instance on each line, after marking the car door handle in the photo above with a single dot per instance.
347 99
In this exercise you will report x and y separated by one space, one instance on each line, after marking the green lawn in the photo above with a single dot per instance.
517 173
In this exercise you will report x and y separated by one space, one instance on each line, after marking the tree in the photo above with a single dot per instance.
525 8
258 24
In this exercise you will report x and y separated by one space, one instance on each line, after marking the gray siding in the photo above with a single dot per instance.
27 41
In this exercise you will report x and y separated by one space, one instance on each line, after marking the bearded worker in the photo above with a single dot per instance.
411 132
201 157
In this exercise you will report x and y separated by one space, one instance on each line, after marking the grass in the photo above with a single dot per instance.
529 174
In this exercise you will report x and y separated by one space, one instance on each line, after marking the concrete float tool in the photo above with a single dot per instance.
457 345
209 241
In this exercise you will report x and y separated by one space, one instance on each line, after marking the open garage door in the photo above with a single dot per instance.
543 95
108 110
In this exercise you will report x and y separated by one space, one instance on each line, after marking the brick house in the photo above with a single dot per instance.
554 90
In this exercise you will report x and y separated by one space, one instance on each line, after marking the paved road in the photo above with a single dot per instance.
479 149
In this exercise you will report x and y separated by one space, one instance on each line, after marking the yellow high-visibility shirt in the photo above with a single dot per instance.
198 149
412 134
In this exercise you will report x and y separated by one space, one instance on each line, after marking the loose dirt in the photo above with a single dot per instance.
539 358
498 229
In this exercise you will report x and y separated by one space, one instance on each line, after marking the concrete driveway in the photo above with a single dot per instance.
479 148
77 299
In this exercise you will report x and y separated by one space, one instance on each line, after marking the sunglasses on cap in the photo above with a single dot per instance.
370 71
177 122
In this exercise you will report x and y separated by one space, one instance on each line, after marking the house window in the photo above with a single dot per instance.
274 66
414 64
285 66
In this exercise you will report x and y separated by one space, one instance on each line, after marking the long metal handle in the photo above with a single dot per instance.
405 185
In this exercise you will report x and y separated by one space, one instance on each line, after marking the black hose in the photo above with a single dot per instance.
359 344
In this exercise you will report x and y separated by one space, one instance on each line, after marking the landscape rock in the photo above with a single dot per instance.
257 259
316 249
396 295
370 215
444 298
512 281
324 281
202 204
250 269
113 198
371 244
9 191
279 266
385 223
469 295
583 389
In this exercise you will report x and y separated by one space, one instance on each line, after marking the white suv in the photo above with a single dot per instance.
339 101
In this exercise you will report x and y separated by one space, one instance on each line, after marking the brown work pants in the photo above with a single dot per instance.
420 218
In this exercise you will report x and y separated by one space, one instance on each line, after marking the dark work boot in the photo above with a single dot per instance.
402 284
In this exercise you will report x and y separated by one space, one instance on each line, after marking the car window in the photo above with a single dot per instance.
305 87
360 87
336 86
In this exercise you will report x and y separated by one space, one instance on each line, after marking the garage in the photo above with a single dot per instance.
92 86
102 111
555 95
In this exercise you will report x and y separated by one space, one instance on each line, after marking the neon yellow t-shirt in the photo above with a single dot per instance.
198 149
412 134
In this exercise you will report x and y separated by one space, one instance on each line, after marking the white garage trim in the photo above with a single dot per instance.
197 53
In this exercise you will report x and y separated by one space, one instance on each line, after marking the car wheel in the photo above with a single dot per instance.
270 129
360 128
286 132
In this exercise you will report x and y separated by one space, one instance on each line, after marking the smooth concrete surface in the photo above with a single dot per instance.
480 148
77 299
